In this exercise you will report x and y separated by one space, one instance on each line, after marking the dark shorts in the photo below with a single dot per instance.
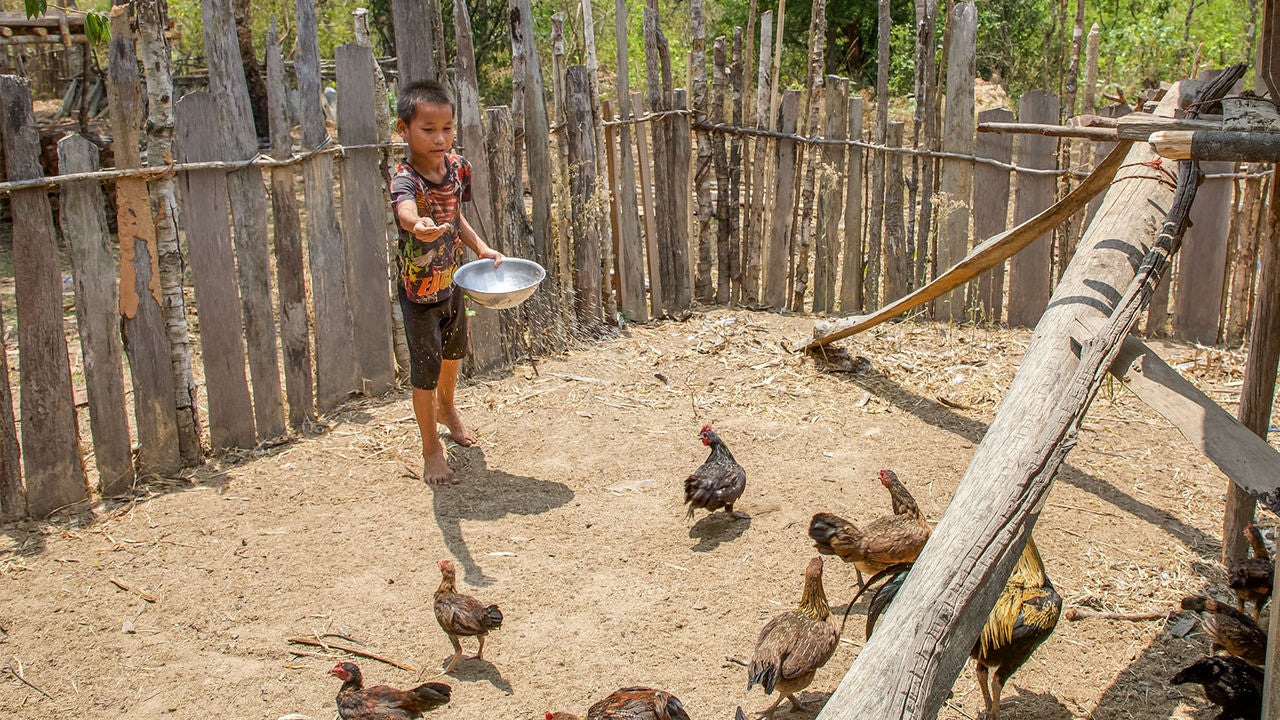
435 333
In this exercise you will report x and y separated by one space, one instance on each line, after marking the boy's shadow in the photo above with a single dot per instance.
482 493
717 528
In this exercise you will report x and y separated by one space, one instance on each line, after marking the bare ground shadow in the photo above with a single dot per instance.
1145 681
942 417
469 669
717 528
1028 704
483 493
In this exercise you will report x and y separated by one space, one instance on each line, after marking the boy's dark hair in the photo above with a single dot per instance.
421 92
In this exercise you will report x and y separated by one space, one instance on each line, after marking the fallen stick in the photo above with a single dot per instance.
353 651
1076 614
129 588
17 672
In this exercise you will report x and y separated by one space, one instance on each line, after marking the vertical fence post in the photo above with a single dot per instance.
851 266
897 263
657 293
587 213
831 196
724 194
799 284
735 194
248 213
50 437
84 225
486 354
703 289
1197 304
777 256
1029 269
512 234
415 41
143 324
956 182
752 254
875 218
631 300
1245 258
991 207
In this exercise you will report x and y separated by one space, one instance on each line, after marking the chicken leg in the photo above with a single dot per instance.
457 654
480 654
981 672
767 713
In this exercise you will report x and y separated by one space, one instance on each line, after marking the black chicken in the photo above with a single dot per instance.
383 702
1024 616
719 482
1229 682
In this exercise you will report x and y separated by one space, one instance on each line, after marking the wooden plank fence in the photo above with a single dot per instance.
732 228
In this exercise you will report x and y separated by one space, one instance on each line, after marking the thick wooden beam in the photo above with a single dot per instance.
1216 145
990 253
907 668
1239 453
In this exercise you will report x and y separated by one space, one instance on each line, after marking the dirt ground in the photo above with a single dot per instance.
569 517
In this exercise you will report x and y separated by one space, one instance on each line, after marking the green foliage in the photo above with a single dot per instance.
97 28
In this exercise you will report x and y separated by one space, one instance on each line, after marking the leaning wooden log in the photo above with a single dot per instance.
907 668
991 252
1217 145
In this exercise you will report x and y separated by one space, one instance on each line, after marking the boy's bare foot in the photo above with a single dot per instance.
436 470
458 430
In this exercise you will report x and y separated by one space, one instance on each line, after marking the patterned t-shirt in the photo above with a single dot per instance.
426 269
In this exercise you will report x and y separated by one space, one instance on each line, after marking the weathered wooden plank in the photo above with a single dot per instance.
1141 126
512 234
631 300
671 194
1089 92
1245 258
1244 457
704 167
335 363
546 311
152 19
826 259
1197 302
777 254
587 216
84 225
657 295
487 355
50 438
759 191
956 181
604 155
415 51
798 283
875 214
295 339
736 175
897 264
681 153
924 640
991 207
142 322
726 197
205 200
1029 269
926 136
248 212
363 201
1237 146
851 263
991 252
560 202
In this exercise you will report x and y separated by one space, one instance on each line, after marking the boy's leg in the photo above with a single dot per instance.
435 466
445 411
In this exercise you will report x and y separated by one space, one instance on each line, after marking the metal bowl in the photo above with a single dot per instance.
505 286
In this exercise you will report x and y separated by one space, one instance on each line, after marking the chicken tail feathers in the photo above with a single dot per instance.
823 528
896 574
430 695
764 674
492 617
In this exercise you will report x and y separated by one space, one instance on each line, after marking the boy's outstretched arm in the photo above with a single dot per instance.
473 241
425 229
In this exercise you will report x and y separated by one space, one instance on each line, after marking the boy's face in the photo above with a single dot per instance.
429 134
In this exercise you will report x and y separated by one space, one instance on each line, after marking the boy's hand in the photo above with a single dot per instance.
490 253
427 230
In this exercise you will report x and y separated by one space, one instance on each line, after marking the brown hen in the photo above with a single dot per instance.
1251 579
382 702
462 615
1229 629
632 703
885 541
795 644
718 482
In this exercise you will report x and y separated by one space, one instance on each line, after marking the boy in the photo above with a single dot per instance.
427 192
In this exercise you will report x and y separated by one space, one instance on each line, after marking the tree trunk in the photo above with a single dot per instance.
252 70
157 68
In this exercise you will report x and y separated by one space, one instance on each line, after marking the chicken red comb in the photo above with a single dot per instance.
704 429
550 715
